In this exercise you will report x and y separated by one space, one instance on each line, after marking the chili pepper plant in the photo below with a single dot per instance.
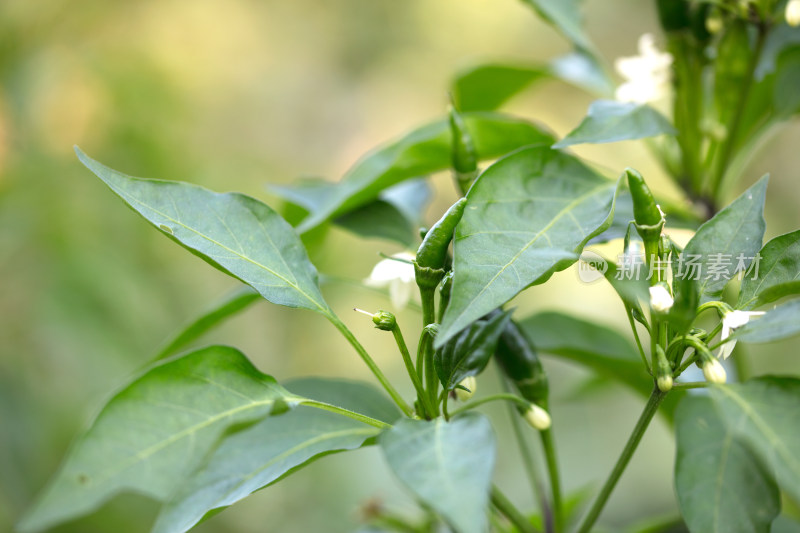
200 429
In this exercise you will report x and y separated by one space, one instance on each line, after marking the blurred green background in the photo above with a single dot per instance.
232 95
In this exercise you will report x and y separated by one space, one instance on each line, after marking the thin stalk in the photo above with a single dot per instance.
686 364
650 409
638 340
503 396
736 122
690 385
530 468
555 478
401 403
346 412
508 510
431 381
412 372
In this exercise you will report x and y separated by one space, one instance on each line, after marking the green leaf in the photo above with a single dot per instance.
396 214
564 16
468 353
423 151
722 487
527 216
233 303
447 465
777 324
235 233
763 413
610 121
778 273
275 447
736 230
157 430
589 344
488 86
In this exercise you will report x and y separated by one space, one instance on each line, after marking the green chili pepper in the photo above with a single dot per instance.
645 210
520 362
465 158
432 252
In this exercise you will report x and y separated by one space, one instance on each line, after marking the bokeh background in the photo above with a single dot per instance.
234 94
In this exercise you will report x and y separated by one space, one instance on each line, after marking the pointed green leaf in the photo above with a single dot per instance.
488 86
447 465
779 323
593 345
527 216
778 273
610 121
396 214
565 17
736 231
235 233
423 151
763 412
157 430
722 487
233 303
468 353
275 447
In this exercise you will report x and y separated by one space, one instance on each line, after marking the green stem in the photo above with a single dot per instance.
690 385
401 403
555 478
729 146
650 409
346 412
493 398
686 364
528 462
638 340
431 381
508 510
412 372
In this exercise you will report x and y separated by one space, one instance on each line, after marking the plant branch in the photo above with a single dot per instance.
336 321
508 510
555 477
650 409
412 373
493 398
346 412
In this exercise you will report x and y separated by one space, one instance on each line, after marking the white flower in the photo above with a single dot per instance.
647 75
660 299
714 372
537 417
793 13
730 321
469 383
397 275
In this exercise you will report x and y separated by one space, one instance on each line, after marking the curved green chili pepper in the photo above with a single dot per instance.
520 362
432 252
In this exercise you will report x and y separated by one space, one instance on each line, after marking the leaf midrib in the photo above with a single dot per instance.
133 198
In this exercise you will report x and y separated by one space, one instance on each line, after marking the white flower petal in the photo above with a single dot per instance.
660 299
400 293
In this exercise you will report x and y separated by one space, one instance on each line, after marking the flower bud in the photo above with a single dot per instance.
466 388
660 299
537 417
384 320
714 371
663 371
793 13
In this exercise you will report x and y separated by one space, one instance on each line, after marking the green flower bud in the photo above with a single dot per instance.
466 388
537 417
431 329
663 371
384 320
